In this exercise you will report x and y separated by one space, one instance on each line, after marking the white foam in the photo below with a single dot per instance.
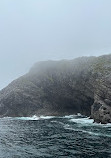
79 114
72 116
69 116
85 131
47 117
29 118
82 120
35 117
88 121
103 125
107 125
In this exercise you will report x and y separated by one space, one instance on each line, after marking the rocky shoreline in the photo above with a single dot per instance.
82 85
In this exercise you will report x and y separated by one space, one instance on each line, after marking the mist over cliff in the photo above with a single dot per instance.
81 85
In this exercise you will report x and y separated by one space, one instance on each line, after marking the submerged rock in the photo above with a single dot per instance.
82 85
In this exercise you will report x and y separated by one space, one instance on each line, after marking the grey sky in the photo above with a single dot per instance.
34 30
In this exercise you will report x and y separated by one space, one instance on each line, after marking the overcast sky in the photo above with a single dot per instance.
35 30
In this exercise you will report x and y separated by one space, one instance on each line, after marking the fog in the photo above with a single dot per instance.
35 30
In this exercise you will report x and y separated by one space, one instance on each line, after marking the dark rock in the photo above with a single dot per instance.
82 85
107 101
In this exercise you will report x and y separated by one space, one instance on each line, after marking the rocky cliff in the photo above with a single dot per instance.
82 85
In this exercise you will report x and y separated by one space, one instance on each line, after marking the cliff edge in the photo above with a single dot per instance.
82 85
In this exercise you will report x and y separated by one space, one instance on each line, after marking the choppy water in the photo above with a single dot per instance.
54 137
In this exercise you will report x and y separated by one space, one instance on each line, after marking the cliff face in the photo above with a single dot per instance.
101 108
62 87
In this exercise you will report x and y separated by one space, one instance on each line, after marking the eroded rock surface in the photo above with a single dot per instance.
82 85
101 108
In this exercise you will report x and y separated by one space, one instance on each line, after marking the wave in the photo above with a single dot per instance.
35 117
76 123
78 119
85 131
73 116
87 122
82 120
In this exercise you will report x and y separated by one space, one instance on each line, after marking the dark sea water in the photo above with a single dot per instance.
54 137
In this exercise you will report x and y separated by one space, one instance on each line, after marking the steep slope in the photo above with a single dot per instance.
62 87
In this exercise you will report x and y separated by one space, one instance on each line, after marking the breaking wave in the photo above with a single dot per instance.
54 136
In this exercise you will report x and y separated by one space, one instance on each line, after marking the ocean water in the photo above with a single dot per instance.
73 136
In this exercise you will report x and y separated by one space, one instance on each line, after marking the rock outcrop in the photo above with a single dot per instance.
82 85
